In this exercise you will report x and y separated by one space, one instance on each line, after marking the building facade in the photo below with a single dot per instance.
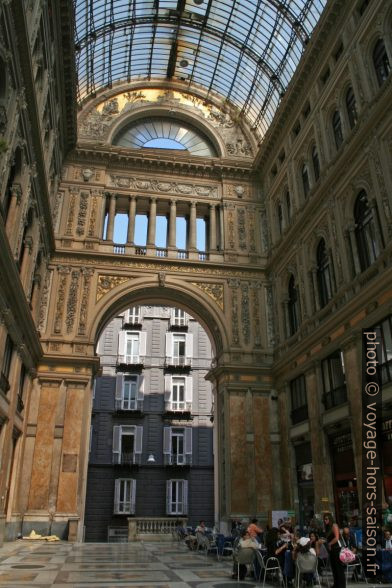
290 173
151 453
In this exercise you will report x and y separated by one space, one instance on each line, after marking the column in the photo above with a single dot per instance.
171 238
192 227
286 314
313 273
152 217
112 215
131 220
354 250
16 196
221 227
212 232
378 232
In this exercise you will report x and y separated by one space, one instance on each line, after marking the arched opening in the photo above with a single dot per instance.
381 62
151 437
365 231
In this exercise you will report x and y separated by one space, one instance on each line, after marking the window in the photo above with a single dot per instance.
127 444
299 403
124 496
338 52
351 108
305 180
129 392
288 204
293 307
279 213
381 62
296 128
178 393
386 350
179 349
325 75
177 497
316 163
132 347
179 318
334 382
365 231
7 358
337 129
177 445
323 274
132 315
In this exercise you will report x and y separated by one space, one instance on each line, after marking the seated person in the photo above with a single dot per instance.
283 552
387 541
245 541
201 535
348 539
254 530
301 553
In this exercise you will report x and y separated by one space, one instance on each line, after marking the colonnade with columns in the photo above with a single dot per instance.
190 210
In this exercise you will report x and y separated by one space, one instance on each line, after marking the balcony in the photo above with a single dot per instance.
179 362
127 459
300 414
129 406
177 459
178 410
334 397
127 362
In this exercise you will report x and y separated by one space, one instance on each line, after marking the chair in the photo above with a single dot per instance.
353 567
245 556
202 542
306 564
271 564
260 561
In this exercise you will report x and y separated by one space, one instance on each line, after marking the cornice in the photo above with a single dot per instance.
120 158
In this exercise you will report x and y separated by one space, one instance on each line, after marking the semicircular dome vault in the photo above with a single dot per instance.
164 133
245 51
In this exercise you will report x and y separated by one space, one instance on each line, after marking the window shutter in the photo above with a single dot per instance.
188 389
169 345
168 387
138 439
185 497
133 496
166 440
143 343
117 496
189 345
122 343
168 496
188 440
116 443
119 389
140 387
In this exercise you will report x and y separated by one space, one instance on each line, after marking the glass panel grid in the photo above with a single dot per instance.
245 50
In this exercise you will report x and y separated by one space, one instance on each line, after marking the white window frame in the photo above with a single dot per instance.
176 359
170 403
131 358
133 315
175 458
124 488
120 431
121 382
180 505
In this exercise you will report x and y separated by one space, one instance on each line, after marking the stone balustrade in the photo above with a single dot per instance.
152 528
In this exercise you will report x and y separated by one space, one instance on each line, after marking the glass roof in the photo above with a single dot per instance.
244 50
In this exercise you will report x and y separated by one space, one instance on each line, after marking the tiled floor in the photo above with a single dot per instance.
112 565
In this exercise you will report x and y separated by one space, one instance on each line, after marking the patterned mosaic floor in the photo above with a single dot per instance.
103 565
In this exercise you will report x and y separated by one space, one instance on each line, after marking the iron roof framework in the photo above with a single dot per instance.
246 51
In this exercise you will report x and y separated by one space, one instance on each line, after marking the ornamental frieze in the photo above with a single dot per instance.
159 266
163 187
107 283
215 291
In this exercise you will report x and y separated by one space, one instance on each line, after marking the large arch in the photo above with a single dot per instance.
174 293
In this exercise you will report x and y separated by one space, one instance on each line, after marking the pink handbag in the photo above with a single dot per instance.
346 556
